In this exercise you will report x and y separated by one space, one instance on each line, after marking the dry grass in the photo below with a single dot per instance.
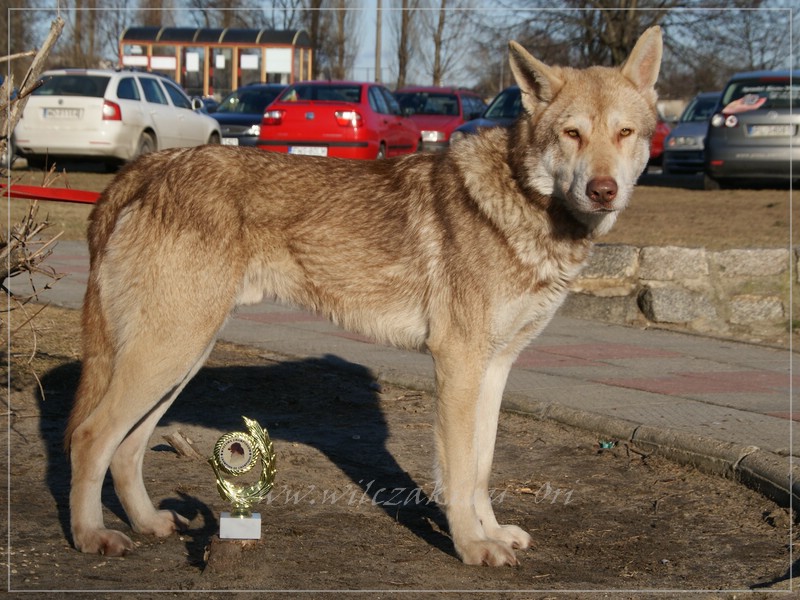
657 216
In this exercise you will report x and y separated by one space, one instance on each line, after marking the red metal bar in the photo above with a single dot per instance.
35 192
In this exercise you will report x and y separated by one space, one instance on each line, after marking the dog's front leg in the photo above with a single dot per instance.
488 412
459 374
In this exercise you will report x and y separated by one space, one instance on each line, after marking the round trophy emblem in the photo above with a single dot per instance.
236 453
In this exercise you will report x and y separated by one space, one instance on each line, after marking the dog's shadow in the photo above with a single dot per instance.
329 404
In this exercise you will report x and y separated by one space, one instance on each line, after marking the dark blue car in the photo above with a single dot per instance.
683 148
240 113
502 111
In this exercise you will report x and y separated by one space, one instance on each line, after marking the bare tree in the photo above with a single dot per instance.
285 14
155 13
18 19
344 43
332 29
245 14
317 23
79 47
405 24
447 23
705 40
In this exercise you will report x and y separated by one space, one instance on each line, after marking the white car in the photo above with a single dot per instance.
110 115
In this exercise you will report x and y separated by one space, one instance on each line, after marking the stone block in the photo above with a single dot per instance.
670 263
752 308
600 308
675 304
752 262
611 261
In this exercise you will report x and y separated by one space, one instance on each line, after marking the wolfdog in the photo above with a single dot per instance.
466 254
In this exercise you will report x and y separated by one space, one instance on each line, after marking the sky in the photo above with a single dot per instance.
364 66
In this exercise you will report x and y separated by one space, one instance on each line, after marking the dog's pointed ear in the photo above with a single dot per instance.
538 83
644 62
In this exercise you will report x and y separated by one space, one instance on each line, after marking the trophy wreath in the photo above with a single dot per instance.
235 454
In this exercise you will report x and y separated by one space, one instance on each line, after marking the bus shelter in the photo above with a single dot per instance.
213 62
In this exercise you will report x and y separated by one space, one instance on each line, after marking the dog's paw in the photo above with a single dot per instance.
512 535
491 553
162 524
107 542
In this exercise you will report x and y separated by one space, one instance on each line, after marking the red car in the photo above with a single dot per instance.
657 142
438 111
344 119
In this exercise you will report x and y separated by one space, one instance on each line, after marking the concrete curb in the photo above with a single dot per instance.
766 472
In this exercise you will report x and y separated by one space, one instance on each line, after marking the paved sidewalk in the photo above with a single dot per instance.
721 405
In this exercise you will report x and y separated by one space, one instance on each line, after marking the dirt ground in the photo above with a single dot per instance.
351 506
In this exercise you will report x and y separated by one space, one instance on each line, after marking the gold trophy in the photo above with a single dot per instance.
235 454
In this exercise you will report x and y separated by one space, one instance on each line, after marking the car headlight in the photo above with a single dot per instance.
685 142
433 136
253 130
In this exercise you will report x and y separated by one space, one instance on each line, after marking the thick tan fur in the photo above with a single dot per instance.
466 254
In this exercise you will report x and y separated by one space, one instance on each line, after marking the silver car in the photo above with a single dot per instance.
753 134
108 115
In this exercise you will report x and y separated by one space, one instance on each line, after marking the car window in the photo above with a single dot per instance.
427 103
248 102
376 101
466 106
699 109
152 91
471 105
127 90
177 96
391 101
759 93
324 93
507 105
93 86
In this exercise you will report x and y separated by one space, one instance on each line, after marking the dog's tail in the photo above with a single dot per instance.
97 362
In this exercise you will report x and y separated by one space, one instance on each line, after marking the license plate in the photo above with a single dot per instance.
230 141
62 113
771 130
309 150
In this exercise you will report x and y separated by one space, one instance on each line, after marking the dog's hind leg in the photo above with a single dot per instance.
459 375
126 469
488 411
146 379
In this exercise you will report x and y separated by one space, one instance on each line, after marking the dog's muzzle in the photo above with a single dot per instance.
601 192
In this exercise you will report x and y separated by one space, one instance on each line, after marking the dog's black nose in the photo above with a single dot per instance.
602 190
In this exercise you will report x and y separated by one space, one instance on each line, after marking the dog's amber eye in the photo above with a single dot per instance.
573 133
625 131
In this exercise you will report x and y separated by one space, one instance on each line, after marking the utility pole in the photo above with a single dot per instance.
378 18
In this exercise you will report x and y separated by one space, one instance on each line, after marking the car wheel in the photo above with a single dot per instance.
9 155
214 139
147 144
381 152
35 162
711 185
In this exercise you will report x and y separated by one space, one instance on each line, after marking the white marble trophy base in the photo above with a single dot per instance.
240 528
